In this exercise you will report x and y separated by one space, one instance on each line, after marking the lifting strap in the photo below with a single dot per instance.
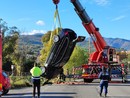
56 17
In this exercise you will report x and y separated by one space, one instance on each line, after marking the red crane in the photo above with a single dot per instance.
103 55
103 51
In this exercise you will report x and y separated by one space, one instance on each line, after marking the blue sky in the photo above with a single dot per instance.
36 16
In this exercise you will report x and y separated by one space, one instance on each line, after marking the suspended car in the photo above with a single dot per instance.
61 51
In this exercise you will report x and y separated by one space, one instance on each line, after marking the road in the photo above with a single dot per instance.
81 90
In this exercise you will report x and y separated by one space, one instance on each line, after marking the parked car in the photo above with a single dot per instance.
5 83
61 51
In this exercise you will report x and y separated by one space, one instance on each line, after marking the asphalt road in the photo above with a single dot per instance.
89 90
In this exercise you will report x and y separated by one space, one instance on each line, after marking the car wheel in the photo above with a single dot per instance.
56 38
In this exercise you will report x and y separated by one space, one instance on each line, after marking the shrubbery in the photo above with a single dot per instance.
20 81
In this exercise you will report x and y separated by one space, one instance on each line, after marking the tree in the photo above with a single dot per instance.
47 41
3 27
10 46
13 52
126 60
128 57
78 57
10 37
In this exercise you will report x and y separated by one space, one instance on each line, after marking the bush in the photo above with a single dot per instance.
20 81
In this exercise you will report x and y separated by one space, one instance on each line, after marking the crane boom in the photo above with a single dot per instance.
88 24
98 41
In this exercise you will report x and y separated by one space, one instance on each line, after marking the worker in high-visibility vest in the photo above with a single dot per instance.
36 73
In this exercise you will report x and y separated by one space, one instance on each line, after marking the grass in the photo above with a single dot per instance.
20 81
25 81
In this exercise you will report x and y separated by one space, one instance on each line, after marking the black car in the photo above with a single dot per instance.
61 51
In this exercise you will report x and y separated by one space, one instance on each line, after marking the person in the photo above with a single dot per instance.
36 72
104 76
62 76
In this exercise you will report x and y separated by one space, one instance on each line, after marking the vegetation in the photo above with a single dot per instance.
78 57
20 81
47 41
10 37
12 52
22 53
126 61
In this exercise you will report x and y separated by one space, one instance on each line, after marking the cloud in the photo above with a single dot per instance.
102 2
40 23
98 2
118 18
34 32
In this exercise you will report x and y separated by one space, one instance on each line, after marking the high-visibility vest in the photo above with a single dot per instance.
36 71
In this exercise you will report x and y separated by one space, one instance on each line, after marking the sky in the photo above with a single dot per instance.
112 17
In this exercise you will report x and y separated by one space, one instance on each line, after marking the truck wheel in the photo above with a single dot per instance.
88 80
124 80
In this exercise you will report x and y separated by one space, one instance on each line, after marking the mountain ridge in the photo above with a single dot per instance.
118 43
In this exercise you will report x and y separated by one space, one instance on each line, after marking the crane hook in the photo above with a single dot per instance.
56 1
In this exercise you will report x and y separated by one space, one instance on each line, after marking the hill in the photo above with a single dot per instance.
31 39
114 42
117 43
31 44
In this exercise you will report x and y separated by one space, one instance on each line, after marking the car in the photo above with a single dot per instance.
6 85
60 52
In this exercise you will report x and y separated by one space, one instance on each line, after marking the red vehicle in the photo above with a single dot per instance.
4 79
5 83
103 55
0 62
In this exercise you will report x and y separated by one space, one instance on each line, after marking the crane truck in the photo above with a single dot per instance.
104 55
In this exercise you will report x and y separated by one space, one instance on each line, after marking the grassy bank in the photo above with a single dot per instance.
20 81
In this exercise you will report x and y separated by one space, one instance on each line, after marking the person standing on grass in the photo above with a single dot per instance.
36 72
